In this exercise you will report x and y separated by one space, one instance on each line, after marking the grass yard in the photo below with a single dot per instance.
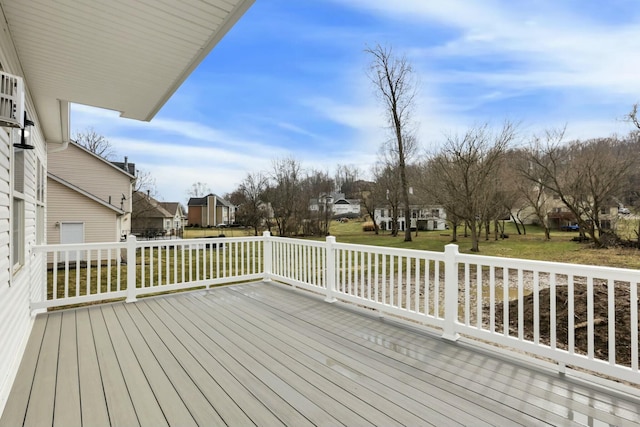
530 246
198 233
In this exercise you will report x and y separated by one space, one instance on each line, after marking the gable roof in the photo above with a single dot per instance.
171 207
152 208
124 56
84 193
202 201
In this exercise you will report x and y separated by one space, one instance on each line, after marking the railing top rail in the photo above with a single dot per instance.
393 251
80 246
294 241
625 274
202 240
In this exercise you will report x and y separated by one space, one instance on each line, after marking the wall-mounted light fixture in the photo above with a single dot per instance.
25 135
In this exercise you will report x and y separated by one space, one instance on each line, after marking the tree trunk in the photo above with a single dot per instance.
474 237
515 221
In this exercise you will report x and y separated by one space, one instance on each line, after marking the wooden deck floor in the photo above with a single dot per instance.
258 354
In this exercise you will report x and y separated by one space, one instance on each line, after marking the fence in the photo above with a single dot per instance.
584 316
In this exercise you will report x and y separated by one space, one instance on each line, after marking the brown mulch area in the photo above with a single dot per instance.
600 320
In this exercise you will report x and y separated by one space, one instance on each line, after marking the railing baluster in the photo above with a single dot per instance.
633 308
505 301
552 311
479 297
536 307
467 297
571 330
520 304
611 320
590 318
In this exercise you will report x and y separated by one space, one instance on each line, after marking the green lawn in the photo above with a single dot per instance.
560 248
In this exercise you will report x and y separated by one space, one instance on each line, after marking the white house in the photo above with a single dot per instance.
128 57
337 204
427 218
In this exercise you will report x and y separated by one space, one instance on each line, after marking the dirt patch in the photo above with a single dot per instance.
580 327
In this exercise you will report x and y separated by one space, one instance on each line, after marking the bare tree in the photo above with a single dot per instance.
252 210
388 191
586 176
370 198
466 175
145 183
394 82
283 193
346 180
633 116
96 143
198 189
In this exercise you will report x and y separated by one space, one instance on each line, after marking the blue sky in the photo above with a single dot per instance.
290 80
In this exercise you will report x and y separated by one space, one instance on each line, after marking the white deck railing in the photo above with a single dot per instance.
457 293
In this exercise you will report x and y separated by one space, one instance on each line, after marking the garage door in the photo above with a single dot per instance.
72 232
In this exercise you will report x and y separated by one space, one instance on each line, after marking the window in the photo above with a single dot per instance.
40 202
17 210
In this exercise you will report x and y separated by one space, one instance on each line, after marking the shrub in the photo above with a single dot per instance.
368 226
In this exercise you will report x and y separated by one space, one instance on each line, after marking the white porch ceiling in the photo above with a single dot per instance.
124 55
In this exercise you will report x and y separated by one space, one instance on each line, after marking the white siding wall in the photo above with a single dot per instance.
16 287
19 285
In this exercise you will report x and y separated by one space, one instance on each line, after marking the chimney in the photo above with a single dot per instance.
148 194
126 164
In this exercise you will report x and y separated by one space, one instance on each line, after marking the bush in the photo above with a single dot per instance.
368 226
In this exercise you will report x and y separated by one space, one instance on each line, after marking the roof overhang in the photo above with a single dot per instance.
127 56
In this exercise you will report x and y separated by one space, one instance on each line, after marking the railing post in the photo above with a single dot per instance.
267 245
330 269
131 268
450 292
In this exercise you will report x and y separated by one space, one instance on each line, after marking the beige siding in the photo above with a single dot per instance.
92 174
101 223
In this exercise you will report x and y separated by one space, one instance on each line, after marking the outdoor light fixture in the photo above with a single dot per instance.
25 134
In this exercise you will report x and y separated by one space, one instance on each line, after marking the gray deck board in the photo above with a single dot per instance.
329 409
140 392
549 394
93 403
193 398
415 406
299 401
556 396
15 410
119 405
42 399
67 399
431 403
260 354
301 361
231 384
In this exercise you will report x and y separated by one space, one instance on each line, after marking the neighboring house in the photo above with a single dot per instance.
53 54
178 217
151 218
337 204
210 211
88 197
423 218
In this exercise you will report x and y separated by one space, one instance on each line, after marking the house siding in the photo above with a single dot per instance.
104 223
16 287
93 175
99 178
